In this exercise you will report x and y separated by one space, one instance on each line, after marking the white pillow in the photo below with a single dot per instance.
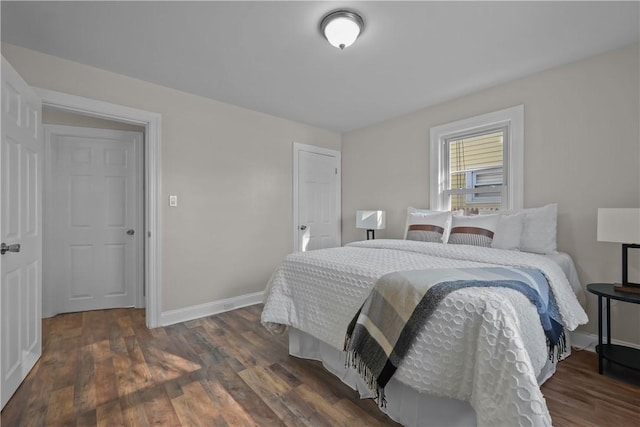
539 229
427 226
411 210
477 230
508 232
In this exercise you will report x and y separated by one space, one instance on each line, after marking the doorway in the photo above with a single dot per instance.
151 122
316 198
93 217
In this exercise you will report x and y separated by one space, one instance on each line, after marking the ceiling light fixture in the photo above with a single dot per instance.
342 27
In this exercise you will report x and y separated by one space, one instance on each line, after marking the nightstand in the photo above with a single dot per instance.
622 355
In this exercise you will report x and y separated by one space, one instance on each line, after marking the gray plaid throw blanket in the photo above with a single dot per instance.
384 328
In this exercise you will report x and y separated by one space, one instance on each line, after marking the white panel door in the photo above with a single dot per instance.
20 224
318 198
93 246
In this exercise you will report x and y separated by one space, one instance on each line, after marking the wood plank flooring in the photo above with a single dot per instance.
106 368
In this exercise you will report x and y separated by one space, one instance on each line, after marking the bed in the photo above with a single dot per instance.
480 358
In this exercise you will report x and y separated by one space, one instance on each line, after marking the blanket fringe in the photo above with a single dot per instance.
354 361
556 351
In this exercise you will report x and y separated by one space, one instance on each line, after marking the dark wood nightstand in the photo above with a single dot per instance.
622 355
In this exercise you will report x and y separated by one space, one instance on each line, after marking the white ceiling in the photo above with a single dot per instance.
270 57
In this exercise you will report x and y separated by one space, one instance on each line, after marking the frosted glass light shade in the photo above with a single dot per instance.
370 220
619 225
342 28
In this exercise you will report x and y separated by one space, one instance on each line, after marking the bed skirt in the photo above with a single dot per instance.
404 404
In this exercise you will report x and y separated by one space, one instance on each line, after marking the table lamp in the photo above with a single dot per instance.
621 226
371 220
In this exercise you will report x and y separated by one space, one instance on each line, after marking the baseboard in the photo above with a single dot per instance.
585 341
210 308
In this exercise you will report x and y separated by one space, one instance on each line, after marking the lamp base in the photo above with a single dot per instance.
629 288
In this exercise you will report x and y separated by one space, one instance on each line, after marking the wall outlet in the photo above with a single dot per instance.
173 201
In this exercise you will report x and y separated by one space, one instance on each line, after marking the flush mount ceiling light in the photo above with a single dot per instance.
342 27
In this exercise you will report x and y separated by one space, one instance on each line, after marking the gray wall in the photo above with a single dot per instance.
582 151
230 167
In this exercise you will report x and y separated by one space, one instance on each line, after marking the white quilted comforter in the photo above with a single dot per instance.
483 345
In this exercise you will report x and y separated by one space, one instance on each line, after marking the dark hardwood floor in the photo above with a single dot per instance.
106 368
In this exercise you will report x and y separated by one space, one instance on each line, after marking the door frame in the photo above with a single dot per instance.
297 147
152 181
49 130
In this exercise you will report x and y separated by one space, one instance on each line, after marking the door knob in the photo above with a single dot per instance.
130 232
303 227
11 248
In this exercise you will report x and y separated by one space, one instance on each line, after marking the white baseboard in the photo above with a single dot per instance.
588 342
207 309
583 340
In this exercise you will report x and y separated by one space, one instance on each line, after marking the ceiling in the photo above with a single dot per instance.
270 57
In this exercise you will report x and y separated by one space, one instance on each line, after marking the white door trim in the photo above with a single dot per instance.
297 147
152 187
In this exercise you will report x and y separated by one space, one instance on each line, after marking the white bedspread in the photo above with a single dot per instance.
482 345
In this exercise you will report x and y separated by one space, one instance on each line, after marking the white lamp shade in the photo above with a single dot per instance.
619 225
371 220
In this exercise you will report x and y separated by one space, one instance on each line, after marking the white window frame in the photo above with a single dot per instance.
513 162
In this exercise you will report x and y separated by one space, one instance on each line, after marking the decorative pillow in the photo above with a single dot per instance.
477 230
410 211
508 232
427 226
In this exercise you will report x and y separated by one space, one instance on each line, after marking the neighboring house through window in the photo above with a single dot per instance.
477 163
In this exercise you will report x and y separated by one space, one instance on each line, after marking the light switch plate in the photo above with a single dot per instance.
173 201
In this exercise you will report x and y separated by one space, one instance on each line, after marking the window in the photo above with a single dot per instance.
477 163
474 175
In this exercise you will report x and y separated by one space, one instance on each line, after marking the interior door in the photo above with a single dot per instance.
20 231
318 198
93 245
